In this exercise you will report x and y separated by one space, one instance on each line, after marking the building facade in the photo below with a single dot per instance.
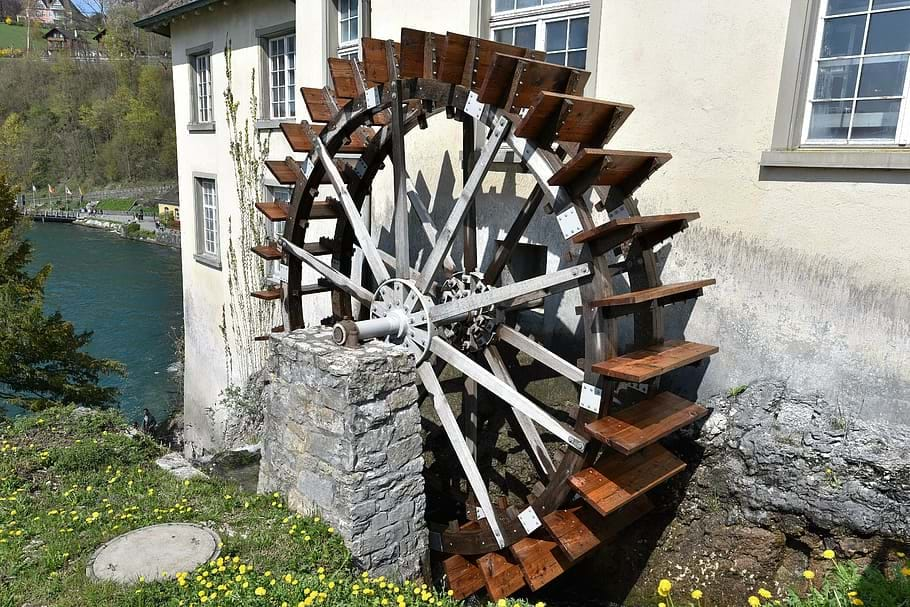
788 122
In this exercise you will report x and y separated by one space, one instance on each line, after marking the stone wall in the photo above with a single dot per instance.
775 477
168 237
342 437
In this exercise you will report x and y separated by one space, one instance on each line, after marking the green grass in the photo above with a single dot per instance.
69 483
844 585
116 204
14 36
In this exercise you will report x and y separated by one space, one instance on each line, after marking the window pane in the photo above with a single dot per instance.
527 3
839 7
503 35
830 120
577 59
557 58
526 36
889 32
578 33
505 5
556 35
876 4
876 119
883 76
836 79
843 36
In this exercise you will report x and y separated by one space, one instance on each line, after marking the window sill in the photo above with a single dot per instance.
268 124
838 158
201 127
208 261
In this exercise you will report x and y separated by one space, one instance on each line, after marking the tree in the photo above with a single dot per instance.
10 8
42 362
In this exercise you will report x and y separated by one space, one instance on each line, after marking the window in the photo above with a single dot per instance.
349 29
207 247
858 87
282 65
559 28
203 87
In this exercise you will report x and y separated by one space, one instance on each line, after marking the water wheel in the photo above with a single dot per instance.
594 461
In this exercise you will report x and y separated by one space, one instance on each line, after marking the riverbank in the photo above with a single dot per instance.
162 236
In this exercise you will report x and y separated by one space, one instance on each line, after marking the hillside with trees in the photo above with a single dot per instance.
91 123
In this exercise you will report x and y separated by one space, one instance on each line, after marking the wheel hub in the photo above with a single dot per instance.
475 332
398 314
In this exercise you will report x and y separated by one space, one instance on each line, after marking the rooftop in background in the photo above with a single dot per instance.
159 20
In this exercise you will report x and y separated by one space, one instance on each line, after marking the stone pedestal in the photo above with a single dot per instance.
342 438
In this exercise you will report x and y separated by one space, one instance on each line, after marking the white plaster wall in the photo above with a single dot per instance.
704 78
813 266
206 288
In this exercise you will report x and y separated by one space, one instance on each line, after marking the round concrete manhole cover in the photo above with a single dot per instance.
151 551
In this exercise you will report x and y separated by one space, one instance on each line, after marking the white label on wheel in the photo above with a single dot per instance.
569 223
473 107
590 398
308 167
481 514
529 520
283 272
373 97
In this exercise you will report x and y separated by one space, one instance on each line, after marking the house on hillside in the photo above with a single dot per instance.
789 125
57 12
69 42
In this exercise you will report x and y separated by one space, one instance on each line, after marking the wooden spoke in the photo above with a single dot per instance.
450 424
538 448
515 399
340 280
370 251
399 170
470 222
540 354
465 200
535 288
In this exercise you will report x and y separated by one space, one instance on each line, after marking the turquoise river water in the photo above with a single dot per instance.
129 293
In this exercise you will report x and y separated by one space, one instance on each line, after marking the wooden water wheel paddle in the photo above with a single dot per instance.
459 316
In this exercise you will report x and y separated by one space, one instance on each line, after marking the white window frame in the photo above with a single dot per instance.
902 134
541 16
349 49
208 233
287 107
203 88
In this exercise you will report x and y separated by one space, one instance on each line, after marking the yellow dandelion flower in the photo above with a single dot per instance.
754 601
260 591
664 587
905 571
696 594
809 575
828 554
501 603
858 601
763 593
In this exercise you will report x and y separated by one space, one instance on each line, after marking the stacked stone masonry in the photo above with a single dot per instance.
342 438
